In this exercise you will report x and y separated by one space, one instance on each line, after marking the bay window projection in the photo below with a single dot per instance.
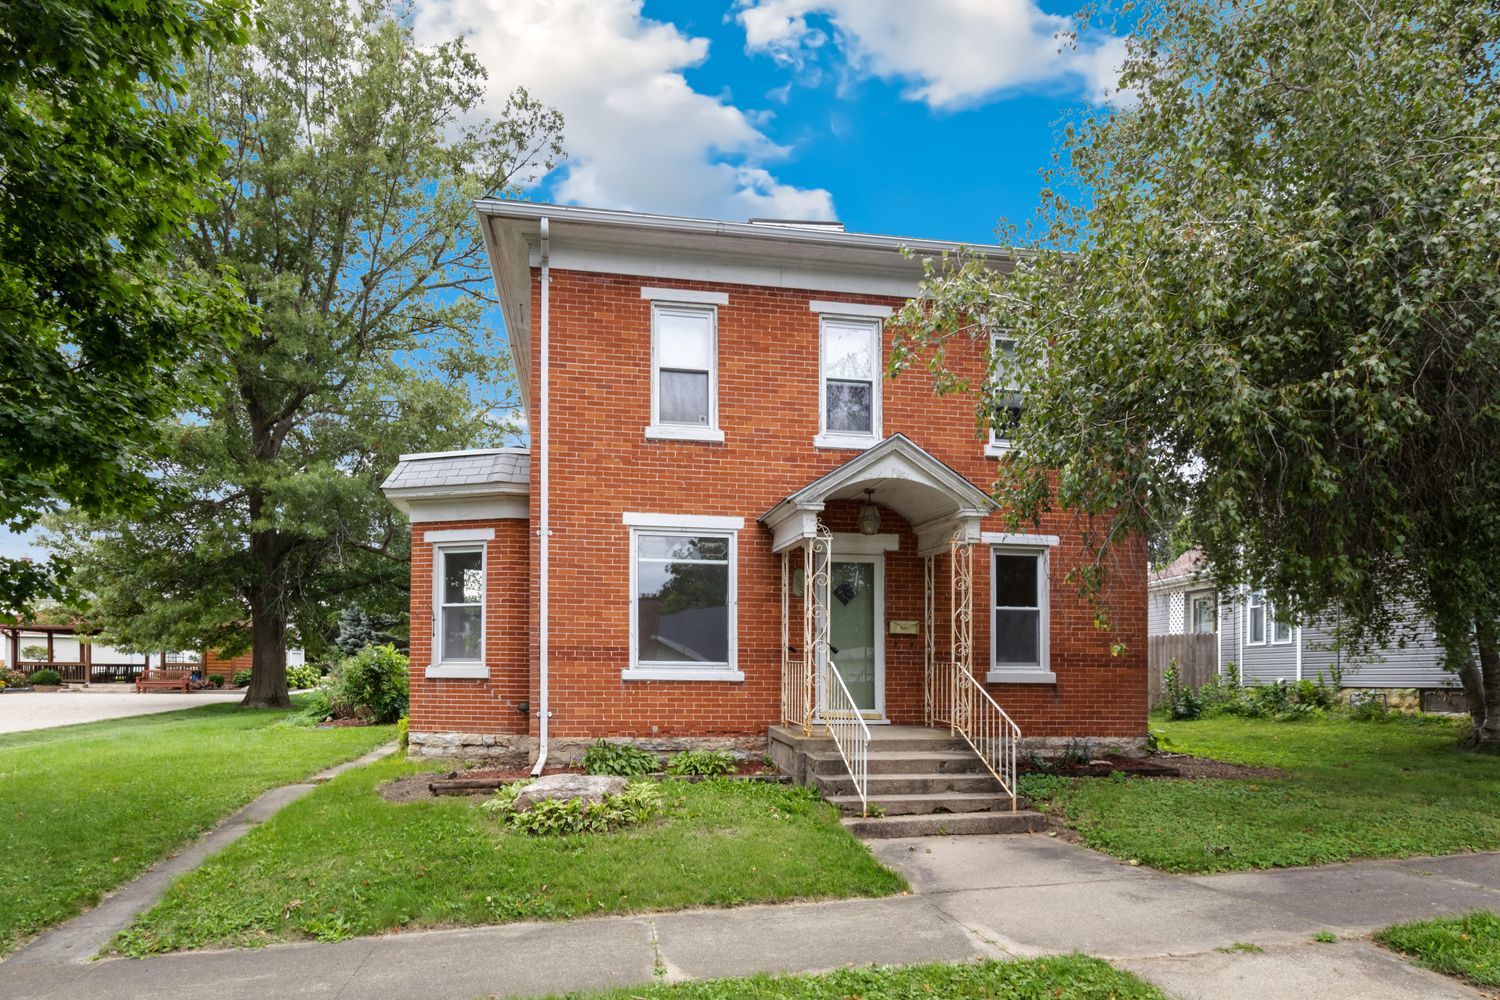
460 575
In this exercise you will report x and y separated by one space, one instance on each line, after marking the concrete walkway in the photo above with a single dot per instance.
973 897
28 710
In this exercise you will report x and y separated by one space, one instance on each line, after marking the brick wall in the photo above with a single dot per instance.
768 409
470 705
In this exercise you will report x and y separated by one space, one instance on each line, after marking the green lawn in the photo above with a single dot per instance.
1353 790
85 808
344 861
1071 977
1467 947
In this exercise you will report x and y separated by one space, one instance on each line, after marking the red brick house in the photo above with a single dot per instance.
729 517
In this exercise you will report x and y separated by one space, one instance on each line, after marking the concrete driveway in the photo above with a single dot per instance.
44 710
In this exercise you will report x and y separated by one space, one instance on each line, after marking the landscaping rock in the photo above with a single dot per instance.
589 787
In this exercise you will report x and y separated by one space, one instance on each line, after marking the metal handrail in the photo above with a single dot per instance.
991 733
851 734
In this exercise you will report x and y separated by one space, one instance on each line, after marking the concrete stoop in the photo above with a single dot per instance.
923 781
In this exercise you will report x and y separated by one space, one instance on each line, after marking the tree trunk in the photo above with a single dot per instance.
267 625
1487 729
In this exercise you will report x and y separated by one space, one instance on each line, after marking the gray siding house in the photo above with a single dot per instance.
1268 648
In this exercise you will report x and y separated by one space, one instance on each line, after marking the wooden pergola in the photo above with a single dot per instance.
83 670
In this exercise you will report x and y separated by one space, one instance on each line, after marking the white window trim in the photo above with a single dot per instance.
1272 620
1012 673
1250 606
847 439
471 669
854 310
685 295
683 524
996 447
685 432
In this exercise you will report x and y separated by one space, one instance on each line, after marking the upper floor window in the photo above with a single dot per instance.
1005 383
684 372
1202 614
1256 618
849 383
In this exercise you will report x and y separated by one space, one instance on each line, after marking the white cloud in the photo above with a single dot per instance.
951 53
638 135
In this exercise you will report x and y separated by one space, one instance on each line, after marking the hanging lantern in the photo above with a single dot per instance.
869 516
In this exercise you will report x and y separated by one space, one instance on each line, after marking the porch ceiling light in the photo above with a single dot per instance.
869 516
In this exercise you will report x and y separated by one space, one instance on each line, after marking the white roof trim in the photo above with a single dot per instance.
1019 540
420 455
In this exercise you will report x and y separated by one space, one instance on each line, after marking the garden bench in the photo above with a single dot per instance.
164 680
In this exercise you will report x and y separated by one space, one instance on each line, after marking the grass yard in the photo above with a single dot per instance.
1352 790
1070 977
343 861
1467 947
88 807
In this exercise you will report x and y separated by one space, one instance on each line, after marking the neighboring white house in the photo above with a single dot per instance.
1268 647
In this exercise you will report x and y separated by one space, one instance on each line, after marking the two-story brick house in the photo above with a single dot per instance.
723 493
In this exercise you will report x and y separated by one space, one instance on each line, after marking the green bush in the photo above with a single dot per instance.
1181 702
403 732
240 678
554 817
16 678
619 759
33 652
45 677
1369 709
215 680
710 763
316 710
371 685
304 676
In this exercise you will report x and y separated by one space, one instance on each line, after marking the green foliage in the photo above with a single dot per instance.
640 801
371 685
352 159
1066 977
710 763
1256 292
105 165
215 680
17 678
403 732
315 710
441 862
44 677
1325 937
303 676
33 652
620 759
239 678
1466 946
1180 701
358 628
89 807
1368 709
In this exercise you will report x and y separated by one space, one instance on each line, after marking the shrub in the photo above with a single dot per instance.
45 677
371 685
1181 702
619 759
403 732
215 680
316 710
709 763
33 652
240 679
304 676
16 678
553 817
1369 709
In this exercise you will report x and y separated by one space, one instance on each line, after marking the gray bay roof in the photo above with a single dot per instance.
498 467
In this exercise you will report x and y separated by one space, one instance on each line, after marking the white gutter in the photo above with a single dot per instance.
544 528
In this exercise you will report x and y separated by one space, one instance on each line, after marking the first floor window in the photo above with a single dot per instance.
460 575
1257 617
1281 631
684 589
851 360
1203 614
1019 617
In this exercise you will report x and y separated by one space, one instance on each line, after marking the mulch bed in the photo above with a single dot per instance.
342 723
1155 765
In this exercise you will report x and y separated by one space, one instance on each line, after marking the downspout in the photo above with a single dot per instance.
544 528
1299 652
1242 623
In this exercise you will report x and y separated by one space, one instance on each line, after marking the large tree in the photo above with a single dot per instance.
1266 288
101 167
354 160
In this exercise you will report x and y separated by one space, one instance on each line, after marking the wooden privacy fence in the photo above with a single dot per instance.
1196 656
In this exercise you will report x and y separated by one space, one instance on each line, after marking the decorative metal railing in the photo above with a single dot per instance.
851 734
799 701
986 728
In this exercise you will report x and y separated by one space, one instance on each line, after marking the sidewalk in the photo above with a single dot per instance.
27 711
973 897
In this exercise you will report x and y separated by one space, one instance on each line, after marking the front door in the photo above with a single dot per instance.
856 606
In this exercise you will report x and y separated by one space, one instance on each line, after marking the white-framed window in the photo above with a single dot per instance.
849 378
1281 631
683 597
458 573
1203 614
1019 615
1005 379
684 372
1256 619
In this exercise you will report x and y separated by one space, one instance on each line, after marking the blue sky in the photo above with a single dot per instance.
909 117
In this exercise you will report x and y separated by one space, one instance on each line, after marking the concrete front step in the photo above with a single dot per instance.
884 785
923 805
955 824
884 761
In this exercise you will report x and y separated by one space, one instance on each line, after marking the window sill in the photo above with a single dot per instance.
668 432
994 450
1020 675
846 442
681 674
468 671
